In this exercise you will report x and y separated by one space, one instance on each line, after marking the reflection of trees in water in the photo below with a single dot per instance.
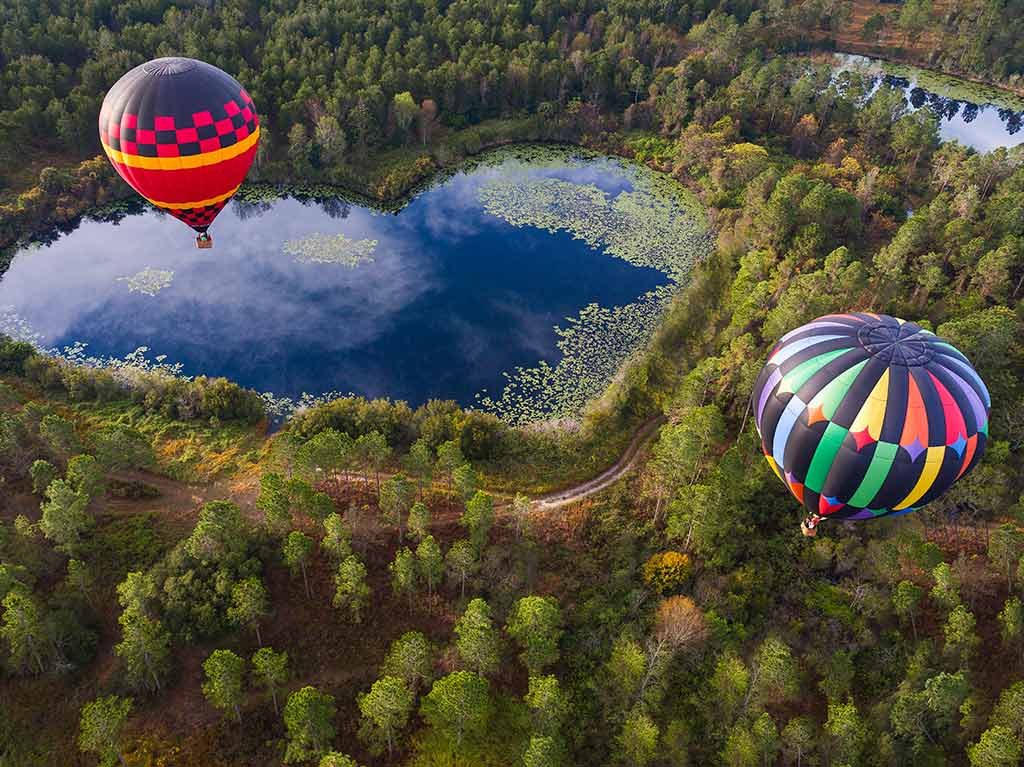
1013 120
246 210
334 207
948 108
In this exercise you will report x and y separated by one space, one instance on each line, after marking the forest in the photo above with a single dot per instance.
381 584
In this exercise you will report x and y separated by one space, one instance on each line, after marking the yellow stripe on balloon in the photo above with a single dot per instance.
195 204
932 464
186 162
775 467
872 412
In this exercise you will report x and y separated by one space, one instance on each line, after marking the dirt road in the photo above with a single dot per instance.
607 477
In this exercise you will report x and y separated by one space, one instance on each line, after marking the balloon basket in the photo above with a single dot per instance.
809 532
204 242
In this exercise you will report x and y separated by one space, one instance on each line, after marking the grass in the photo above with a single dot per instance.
189 451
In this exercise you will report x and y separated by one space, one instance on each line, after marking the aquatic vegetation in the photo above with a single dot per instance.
331 249
149 281
655 224
594 345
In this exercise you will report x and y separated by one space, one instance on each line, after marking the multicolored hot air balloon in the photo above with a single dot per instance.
183 134
865 415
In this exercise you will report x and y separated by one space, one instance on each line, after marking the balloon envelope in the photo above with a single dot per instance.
183 134
865 415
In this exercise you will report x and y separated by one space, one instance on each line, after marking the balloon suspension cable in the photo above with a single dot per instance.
809 527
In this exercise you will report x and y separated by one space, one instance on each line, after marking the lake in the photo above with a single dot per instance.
519 285
976 115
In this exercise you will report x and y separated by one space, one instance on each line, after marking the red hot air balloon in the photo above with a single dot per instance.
183 134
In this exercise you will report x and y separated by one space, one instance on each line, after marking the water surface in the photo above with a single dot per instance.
973 114
439 300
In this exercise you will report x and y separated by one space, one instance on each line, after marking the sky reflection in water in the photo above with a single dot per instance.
453 297
980 125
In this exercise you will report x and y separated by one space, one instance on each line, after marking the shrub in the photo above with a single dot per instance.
667 571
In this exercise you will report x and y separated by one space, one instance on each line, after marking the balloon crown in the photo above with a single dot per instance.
169 65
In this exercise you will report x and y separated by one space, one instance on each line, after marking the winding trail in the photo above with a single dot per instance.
609 476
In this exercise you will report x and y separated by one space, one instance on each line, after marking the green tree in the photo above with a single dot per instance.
324 455
59 435
144 647
846 730
998 747
296 550
330 138
478 518
775 674
101 728
543 751
22 627
337 759
419 521
385 713
419 463
1011 625
1009 710
403 574
740 747
548 704
536 625
64 517
462 562
625 671
249 605
86 475
678 456
223 686
405 110
219 532
337 540
79 577
395 499
429 563
766 736
798 739
373 453
457 706
42 474
1005 547
467 481
905 599
271 670
309 719
638 739
298 149
410 659
351 589
946 591
478 642
275 503
121 447
961 639
449 458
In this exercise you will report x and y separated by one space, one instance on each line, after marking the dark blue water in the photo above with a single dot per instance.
453 297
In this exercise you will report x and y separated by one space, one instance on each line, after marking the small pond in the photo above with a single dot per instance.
519 285
976 115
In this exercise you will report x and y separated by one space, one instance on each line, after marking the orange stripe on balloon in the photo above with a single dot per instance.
955 426
915 425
